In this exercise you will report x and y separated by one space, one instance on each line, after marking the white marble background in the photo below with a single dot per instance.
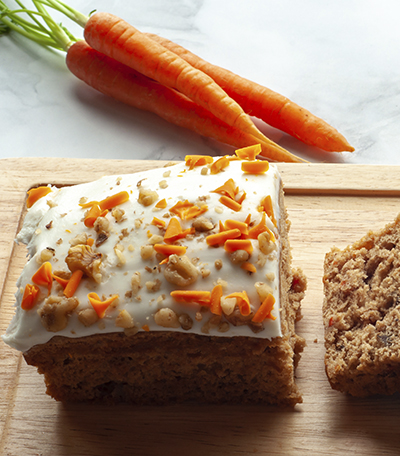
339 59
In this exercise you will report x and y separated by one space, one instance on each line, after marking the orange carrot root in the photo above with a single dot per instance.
275 109
130 87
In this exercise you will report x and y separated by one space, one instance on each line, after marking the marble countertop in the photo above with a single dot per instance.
337 59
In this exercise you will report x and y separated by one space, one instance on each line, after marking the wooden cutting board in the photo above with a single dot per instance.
328 205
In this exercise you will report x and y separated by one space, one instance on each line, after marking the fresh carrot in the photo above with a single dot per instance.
129 86
119 40
259 101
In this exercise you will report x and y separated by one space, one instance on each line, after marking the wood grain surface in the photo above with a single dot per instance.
328 205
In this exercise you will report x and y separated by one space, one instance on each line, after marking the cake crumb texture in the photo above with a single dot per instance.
361 312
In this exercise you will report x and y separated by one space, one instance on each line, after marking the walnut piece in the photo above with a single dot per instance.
265 243
167 318
147 197
124 320
239 256
146 251
55 312
202 224
88 316
180 271
153 285
135 283
83 258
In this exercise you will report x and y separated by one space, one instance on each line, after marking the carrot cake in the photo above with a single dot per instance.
167 285
361 314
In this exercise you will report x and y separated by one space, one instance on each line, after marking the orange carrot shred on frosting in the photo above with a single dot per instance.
231 245
90 242
158 222
230 203
29 298
216 295
265 309
93 214
219 165
146 328
242 226
60 280
266 203
228 189
114 200
73 283
256 230
242 301
249 153
188 296
101 306
43 276
255 167
174 231
35 194
166 249
223 236
162 204
197 160
248 267
187 211
242 198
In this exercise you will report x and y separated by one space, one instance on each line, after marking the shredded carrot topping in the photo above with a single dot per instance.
187 211
114 200
223 236
260 228
188 296
167 250
230 203
242 198
93 214
242 301
157 222
29 298
228 189
174 231
216 295
146 328
43 276
60 280
231 245
255 167
248 267
266 203
249 153
73 283
162 204
35 194
265 309
197 160
242 226
219 165
90 242
100 306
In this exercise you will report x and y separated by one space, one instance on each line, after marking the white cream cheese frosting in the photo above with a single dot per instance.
126 266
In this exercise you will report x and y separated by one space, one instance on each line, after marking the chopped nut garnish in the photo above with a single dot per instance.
167 173
147 197
79 239
121 257
82 257
118 214
124 320
185 321
55 312
265 243
45 255
167 318
156 239
239 256
263 290
218 264
180 271
205 273
202 224
163 184
228 305
146 251
153 285
88 317
135 283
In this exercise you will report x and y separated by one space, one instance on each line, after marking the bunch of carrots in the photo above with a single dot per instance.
154 74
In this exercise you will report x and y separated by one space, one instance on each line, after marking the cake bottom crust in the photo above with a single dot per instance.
169 367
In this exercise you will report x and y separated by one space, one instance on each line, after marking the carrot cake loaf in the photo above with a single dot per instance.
361 313
163 286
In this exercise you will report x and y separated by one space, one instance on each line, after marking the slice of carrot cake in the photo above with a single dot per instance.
167 285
